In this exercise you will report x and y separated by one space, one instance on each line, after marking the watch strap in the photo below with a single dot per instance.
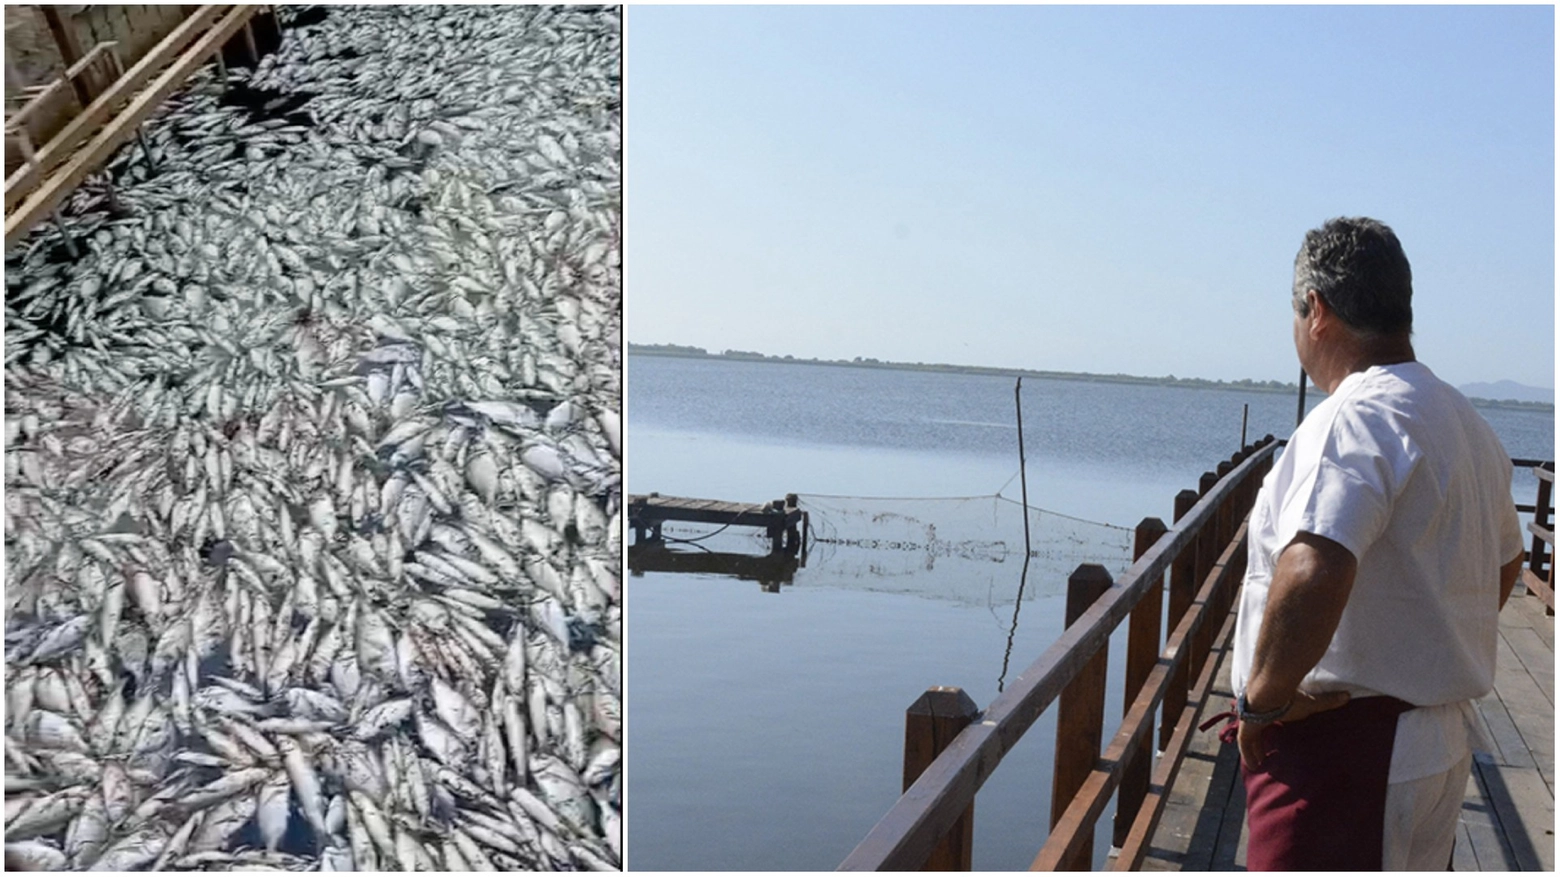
1244 712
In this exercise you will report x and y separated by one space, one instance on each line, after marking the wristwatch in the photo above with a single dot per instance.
1244 713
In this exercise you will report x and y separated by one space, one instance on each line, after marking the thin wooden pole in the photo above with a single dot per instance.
1300 412
1245 414
1023 480
1023 574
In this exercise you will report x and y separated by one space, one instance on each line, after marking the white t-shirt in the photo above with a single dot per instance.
1397 467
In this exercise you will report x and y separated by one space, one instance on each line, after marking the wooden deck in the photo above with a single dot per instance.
1508 816
781 519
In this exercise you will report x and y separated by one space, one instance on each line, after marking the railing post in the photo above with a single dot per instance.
1541 518
931 723
1227 525
1208 549
1142 654
1183 588
1080 712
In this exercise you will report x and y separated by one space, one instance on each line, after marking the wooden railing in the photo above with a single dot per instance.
952 748
107 118
1539 574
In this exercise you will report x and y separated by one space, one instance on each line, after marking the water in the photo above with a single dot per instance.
767 728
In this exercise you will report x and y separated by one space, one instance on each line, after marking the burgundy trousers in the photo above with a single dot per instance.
1318 802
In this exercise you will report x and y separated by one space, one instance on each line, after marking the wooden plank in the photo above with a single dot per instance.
19 186
1531 714
1510 747
1529 612
1523 811
1489 845
1463 858
1536 658
1545 533
1539 588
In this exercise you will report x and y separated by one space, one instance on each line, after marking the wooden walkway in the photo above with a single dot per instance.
1508 816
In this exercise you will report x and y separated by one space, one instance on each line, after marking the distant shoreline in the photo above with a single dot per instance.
1276 387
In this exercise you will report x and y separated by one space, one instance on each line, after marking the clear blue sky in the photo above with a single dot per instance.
1106 189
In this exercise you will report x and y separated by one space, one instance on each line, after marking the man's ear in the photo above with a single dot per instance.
1318 314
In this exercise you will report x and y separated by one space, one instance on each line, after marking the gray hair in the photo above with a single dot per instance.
1358 267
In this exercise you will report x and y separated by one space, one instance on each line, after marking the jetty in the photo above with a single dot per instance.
785 524
1179 802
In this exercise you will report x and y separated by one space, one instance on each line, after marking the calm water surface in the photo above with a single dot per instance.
766 729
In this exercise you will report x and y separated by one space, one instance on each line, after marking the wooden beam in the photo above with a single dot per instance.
1539 588
20 184
47 197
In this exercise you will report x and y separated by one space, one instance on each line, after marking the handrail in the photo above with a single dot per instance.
906 834
78 163
1066 838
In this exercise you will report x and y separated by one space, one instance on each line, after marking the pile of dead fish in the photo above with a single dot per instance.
312 464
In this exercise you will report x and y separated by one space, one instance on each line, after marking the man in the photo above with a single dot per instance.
1383 545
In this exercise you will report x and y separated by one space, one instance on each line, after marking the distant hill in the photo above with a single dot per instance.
1501 391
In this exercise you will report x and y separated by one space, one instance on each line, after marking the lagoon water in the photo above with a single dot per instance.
765 730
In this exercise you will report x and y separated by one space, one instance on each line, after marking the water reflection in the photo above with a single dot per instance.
769 570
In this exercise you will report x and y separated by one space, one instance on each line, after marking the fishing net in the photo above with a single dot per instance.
965 549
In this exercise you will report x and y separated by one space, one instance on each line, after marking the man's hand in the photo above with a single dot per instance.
1250 737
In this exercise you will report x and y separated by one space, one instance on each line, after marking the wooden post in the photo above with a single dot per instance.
1208 549
1245 414
1080 712
777 530
249 42
1142 655
931 723
1541 518
64 31
1226 531
1183 588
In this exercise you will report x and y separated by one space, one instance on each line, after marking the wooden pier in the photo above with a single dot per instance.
785 524
1179 802
1508 811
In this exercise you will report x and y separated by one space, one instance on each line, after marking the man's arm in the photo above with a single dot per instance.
1310 587
1508 577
